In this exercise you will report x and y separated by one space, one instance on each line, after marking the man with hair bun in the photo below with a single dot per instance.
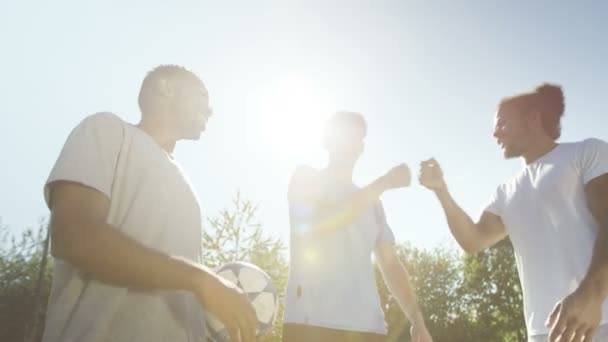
555 211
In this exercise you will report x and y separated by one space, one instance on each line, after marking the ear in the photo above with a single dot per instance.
534 118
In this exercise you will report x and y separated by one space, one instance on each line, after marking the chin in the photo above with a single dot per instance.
510 154
194 135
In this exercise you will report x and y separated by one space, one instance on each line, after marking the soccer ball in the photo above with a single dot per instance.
260 290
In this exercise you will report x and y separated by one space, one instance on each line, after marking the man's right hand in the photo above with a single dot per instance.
431 175
229 304
397 177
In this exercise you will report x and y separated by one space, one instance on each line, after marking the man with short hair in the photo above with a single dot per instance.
126 227
336 226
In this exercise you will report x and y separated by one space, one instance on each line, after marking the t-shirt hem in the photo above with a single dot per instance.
546 331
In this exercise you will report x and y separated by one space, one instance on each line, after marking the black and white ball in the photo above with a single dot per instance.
260 290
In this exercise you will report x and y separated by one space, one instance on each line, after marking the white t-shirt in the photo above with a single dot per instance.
331 280
152 202
545 213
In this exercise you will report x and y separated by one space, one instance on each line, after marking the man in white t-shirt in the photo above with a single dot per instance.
331 293
126 227
555 211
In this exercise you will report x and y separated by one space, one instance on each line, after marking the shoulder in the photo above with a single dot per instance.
100 127
592 143
102 121
304 174
585 150
583 146
303 183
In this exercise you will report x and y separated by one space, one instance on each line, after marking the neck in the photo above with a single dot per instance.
339 172
158 131
538 149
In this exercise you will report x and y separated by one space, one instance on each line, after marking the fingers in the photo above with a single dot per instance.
553 316
589 335
579 334
567 334
429 162
233 331
246 319
557 330
252 322
572 333
429 166
243 327
246 329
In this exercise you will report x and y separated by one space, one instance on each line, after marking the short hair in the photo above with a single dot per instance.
548 99
345 121
149 91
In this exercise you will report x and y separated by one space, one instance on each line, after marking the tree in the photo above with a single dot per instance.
492 284
437 279
463 298
236 235
19 271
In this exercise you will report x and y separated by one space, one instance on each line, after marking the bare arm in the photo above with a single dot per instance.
398 282
321 217
82 237
471 236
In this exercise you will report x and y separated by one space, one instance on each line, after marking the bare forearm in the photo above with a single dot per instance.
108 255
460 223
345 213
596 279
398 282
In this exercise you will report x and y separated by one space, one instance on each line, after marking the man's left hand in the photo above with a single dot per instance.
575 318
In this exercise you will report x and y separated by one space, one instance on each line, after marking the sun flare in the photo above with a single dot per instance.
294 109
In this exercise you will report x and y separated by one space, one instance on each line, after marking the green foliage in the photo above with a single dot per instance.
235 234
464 298
19 266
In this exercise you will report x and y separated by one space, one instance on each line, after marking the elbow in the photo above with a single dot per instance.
58 242
470 248
64 242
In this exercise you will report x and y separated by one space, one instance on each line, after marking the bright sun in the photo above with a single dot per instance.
294 109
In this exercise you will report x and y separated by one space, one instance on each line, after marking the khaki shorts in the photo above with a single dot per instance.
308 333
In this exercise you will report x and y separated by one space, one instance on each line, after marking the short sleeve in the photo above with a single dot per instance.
496 203
593 159
385 233
89 155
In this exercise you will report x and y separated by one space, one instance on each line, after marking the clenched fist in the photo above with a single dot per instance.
431 175
397 177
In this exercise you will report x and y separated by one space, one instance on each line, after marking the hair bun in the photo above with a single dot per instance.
550 92
551 98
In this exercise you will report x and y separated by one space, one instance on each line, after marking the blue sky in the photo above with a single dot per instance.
426 74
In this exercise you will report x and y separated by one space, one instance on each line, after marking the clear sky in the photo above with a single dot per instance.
426 74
